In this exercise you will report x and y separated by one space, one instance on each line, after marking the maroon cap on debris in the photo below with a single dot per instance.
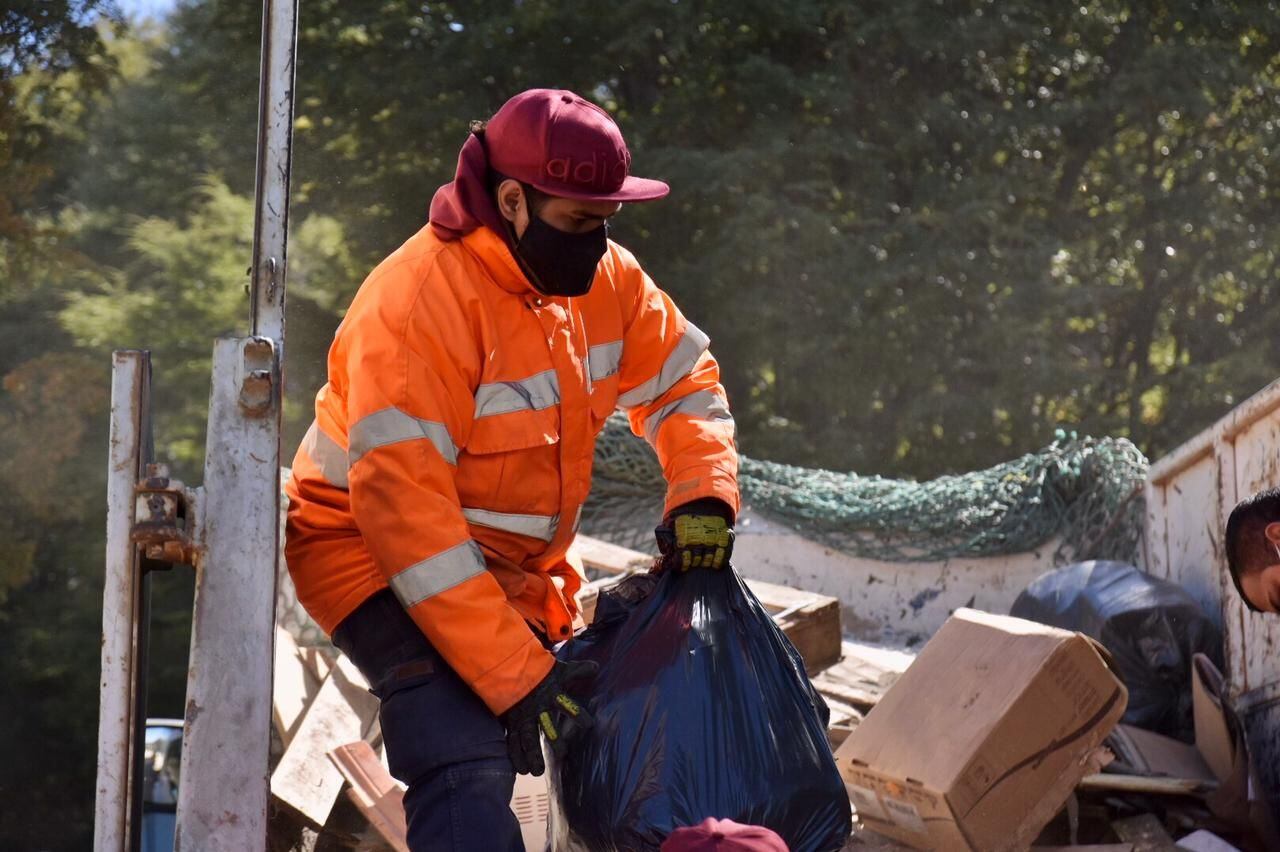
565 146
723 835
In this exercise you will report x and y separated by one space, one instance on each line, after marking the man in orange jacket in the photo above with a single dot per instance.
435 497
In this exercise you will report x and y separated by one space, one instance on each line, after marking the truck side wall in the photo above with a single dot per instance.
895 602
1190 494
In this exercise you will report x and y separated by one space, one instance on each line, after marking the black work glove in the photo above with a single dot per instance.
549 710
697 535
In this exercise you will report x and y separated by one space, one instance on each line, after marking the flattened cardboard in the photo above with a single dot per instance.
982 739
1220 737
1215 737
1155 754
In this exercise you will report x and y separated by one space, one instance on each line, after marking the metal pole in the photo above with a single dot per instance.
121 690
275 148
222 797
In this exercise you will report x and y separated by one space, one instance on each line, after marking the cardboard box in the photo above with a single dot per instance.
983 738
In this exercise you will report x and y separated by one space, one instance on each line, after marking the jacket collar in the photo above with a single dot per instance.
492 252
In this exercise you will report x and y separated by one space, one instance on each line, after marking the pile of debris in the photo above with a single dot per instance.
1004 734
328 738
1000 734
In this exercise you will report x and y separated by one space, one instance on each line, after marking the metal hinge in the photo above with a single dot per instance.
164 520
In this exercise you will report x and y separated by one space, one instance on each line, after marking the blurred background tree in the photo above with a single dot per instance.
922 234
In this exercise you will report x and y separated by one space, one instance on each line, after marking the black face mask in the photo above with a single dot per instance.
558 263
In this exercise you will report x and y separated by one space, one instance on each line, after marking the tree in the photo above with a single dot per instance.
51 54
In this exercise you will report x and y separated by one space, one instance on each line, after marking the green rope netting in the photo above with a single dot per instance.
1085 493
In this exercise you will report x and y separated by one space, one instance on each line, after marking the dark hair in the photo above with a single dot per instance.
1245 543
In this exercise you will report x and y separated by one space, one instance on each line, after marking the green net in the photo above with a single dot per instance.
1085 493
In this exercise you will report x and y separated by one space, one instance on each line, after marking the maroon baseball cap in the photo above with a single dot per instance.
565 146
723 835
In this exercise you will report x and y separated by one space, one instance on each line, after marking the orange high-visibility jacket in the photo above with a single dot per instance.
452 446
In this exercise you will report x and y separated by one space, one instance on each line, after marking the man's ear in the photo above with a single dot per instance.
1272 532
510 197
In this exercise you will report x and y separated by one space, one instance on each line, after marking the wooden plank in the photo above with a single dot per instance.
319 661
610 558
343 711
863 675
295 686
590 593
373 791
843 720
851 694
811 621
1112 783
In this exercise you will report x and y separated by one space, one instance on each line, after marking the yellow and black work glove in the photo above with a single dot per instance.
548 710
697 535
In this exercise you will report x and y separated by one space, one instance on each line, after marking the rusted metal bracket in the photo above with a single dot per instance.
164 520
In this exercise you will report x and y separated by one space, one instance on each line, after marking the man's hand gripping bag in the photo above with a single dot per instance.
702 709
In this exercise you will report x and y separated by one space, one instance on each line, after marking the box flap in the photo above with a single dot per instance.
1214 738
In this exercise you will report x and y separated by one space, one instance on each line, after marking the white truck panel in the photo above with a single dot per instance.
1194 489
884 601
1187 534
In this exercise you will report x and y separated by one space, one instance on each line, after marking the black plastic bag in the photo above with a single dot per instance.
1152 627
702 709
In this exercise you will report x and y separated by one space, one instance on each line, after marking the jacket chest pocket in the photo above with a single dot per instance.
513 449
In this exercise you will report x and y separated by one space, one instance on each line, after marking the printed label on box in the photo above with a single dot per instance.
904 815
866 802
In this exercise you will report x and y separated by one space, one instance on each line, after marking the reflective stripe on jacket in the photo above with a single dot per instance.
452 445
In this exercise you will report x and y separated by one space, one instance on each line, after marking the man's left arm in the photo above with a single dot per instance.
669 384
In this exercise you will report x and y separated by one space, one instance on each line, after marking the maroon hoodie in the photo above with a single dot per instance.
466 203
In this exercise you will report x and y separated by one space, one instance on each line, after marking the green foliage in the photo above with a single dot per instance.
52 55
179 291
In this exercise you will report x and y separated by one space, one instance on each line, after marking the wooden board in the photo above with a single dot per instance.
590 592
602 556
1113 783
863 674
342 712
294 686
843 720
811 621
373 791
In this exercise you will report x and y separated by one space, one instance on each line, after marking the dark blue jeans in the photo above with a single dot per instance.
441 739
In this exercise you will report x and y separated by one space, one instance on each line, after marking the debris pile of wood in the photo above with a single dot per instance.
1153 790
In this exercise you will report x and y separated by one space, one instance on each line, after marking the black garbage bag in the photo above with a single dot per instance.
1152 627
702 709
